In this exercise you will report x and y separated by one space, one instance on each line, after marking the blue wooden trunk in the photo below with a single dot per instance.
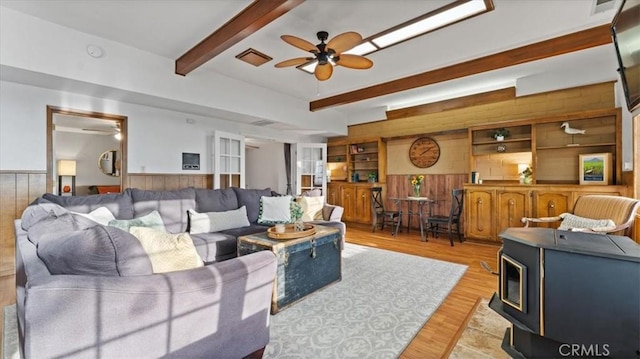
304 264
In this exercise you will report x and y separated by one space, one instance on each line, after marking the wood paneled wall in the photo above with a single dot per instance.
437 186
590 97
159 181
17 190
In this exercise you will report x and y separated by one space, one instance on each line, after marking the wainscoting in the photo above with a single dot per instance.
17 190
437 186
161 181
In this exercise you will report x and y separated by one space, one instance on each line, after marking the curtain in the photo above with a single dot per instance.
287 165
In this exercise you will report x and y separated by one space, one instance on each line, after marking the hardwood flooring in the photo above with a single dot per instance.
440 333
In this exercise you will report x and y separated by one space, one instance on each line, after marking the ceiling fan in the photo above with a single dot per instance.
327 54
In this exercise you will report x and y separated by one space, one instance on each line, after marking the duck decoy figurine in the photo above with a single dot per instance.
572 131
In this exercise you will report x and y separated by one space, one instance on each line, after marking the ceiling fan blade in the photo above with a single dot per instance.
323 72
344 42
354 62
299 43
293 62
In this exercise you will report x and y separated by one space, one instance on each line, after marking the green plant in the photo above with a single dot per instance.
500 132
527 172
372 176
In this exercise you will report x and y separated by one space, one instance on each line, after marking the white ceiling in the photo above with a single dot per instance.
170 27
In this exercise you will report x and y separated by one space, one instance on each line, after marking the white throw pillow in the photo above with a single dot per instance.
100 215
168 252
571 222
217 221
275 209
311 208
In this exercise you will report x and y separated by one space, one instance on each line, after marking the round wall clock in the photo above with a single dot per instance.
424 152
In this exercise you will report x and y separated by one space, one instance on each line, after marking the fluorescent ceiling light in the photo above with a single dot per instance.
431 23
362 49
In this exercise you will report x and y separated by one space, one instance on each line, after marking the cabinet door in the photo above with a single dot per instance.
512 206
363 207
333 194
479 209
551 204
348 199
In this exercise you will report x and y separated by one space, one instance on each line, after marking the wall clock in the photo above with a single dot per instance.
424 152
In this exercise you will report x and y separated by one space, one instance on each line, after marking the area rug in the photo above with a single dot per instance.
483 335
381 303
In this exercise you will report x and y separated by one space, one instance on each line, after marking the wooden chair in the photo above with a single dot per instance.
620 210
433 222
380 215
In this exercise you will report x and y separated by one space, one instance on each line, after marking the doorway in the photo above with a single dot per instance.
67 121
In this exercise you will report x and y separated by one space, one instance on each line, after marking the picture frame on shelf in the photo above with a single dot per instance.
595 168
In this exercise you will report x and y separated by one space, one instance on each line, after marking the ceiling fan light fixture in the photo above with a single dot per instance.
362 49
431 21
310 67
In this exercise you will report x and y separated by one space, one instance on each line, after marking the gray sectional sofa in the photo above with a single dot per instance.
86 290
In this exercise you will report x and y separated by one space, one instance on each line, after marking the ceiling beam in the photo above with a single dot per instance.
245 23
595 36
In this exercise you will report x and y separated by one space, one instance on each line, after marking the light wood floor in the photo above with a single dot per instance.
440 333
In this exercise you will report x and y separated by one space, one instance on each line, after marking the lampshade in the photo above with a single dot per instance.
522 167
66 168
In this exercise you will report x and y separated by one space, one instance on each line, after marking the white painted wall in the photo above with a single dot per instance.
265 167
156 141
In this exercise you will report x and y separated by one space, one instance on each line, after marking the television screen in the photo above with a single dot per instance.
625 30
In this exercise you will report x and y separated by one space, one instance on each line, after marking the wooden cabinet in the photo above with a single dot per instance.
363 204
551 204
511 206
355 160
348 200
333 194
490 209
479 217
355 198
542 142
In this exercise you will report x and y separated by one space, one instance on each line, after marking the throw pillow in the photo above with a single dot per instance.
275 210
217 221
311 208
572 222
101 215
168 252
151 220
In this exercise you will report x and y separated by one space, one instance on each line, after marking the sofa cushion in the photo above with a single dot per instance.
172 206
311 207
44 218
215 200
571 222
217 221
275 210
251 199
168 252
100 215
98 250
216 246
120 204
151 220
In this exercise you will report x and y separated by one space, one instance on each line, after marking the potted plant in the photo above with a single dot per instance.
526 175
499 134
373 176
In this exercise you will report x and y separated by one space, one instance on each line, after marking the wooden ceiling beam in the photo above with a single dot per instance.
596 36
245 23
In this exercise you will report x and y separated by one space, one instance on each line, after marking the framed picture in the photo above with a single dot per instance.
595 168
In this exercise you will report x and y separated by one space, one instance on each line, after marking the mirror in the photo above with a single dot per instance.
109 163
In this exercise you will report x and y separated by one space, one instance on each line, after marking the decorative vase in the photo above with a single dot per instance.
66 189
416 190
298 225
499 138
